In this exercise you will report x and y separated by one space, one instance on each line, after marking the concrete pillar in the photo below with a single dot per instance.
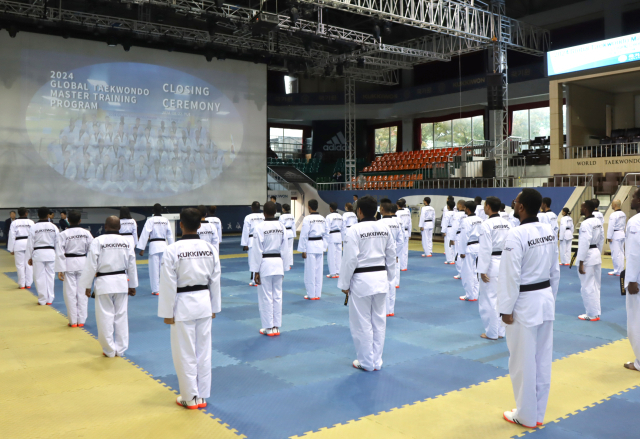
612 18
407 134
556 100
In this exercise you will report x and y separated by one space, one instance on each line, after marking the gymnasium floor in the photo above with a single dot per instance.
439 379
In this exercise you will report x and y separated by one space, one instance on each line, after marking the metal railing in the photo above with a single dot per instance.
573 180
591 151
631 179
587 194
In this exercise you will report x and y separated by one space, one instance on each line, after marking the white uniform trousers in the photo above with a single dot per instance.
617 255
459 261
487 298
427 241
368 321
397 280
25 271
313 266
270 301
113 323
249 254
155 261
449 250
565 251
75 298
334 257
403 255
530 356
391 296
590 289
633 325
288 256
191 352
469 276
43 276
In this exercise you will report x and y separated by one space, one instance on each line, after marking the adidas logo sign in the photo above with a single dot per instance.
337 143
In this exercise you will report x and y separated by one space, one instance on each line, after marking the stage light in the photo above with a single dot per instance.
376 32
13 31
360 63
294 14
212 24
386 28
208 56
126 45
112 41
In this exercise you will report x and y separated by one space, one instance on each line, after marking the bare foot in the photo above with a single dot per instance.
630 366
485 336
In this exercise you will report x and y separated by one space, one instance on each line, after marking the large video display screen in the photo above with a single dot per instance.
84 124
599 54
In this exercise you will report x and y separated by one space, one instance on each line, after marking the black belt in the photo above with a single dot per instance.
127 234
250 236
288 228
271 255
335 231
113 273
21 237
449 226
47 247
157 239
472 242
569 228
73 255
370 269
348 227
593 246
316 238
458 232
617 230
496 253
191 288
427 221
533 287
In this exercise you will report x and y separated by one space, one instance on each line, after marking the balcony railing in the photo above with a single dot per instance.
591 151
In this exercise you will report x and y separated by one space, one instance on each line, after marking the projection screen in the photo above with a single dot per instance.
87 125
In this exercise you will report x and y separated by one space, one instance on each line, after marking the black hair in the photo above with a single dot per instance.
566 210
428 200
43 212
502 206
384 200
547 201
74 217
212 210
272 197
22 211
451 204
471 205
124 213
596 202
368 206
286 207
394 208
269 208
387 206
157 209
349 207
531 200
355 196
450 197
255 206
494 203
63 211
333 206
313 204
401 203
203 210
190 218
590 205
478 200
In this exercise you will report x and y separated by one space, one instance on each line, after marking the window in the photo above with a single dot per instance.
461 131
477 127
290 84
455 132
427 136
386 139
285 140
529 124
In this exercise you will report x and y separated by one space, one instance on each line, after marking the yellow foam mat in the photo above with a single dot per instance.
577 381
55 383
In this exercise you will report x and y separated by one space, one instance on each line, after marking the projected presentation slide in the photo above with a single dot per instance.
84 124
589 56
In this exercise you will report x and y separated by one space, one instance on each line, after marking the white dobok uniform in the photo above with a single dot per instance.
43 237
632 274
615 232
368 267
543 218
404 216
217 224
456 222
447 230
480 213
207 232
427 223
493 233
289 223
529 278
157 233
190 294
348 219
249 225
71 255
334 248
397 236
515 222
112 262
597 214
504 215
129 229
552 218
270 243
590 243
469 236
566 238
17 244
314 237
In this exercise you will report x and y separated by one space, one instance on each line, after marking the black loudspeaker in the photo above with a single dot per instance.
488 168
494 91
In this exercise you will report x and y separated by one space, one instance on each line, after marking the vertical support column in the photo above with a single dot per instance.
502 36
556 100
349 128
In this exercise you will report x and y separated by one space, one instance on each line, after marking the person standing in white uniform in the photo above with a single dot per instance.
368 267
469 236
249 225
207 231
632 280
503 214
189 300
17 246
615 236
216 223
314 237
111 261
447 232
427 224
128 227
566 236
41 255
71 254
590 244
387 209
479 209
596 213
270 244
529 277
289 223
404 216
552 218
348 219
456 222
515 222
493 233
157 233
334 248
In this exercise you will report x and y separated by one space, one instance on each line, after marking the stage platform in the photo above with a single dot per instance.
439 378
